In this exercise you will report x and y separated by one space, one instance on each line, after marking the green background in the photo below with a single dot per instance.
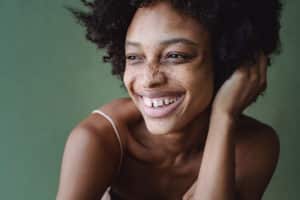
51 78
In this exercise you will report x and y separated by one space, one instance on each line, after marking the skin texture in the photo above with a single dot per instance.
206 141
162 61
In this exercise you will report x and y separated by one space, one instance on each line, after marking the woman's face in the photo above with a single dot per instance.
169 73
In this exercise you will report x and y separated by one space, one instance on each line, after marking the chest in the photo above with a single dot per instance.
139 181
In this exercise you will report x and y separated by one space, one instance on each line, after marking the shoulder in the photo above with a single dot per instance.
93 140
100 131
256 134
97 130
90 146
122 110
253 132
258 149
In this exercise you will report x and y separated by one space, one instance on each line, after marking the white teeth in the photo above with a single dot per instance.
159 102
147 101
172 100
166 101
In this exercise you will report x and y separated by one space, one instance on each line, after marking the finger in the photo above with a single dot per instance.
242 76
254 82
261 69
255 73
263 66
243 73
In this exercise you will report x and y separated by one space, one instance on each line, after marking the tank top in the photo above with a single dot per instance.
109 195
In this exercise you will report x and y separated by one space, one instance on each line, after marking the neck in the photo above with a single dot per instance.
175 147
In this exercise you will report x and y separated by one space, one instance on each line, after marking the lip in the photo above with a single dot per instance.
160 112
158 94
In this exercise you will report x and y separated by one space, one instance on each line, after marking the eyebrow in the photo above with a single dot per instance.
165 42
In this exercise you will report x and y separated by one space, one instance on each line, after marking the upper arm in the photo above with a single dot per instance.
90 162
259 165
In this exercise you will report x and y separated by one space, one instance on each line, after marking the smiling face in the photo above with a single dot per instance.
168 73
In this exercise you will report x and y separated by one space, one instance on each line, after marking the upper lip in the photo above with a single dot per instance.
158 93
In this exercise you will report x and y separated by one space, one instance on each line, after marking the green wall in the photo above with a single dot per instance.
51 77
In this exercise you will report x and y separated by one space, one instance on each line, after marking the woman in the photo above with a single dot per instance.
190 69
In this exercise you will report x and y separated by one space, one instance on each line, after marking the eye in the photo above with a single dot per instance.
131 57
177 57
134 58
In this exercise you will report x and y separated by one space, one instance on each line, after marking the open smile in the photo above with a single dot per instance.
162 106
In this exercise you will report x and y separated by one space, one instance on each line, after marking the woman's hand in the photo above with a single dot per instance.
241 89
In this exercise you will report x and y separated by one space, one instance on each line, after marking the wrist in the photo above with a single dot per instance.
218 113
223 119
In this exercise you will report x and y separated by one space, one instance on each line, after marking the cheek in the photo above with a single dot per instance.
128 78
199 84
205 90
202 92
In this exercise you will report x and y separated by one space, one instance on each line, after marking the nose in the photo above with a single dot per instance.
153 77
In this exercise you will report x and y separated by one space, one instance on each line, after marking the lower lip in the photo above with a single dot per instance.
162 111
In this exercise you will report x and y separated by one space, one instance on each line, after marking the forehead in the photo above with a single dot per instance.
161 22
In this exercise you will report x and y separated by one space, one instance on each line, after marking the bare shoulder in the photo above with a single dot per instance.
250 129
257 154
122 110
98 129
90 146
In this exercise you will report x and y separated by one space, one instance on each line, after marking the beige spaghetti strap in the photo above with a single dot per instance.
187 196
115 130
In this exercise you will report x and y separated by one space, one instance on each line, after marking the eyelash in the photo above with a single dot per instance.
134 59
178 55
182 57
128 57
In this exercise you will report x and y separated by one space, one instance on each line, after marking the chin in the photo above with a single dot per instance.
162 119
159 127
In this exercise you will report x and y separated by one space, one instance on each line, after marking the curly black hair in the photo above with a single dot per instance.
240 29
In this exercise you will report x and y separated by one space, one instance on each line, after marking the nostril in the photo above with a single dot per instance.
154 79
